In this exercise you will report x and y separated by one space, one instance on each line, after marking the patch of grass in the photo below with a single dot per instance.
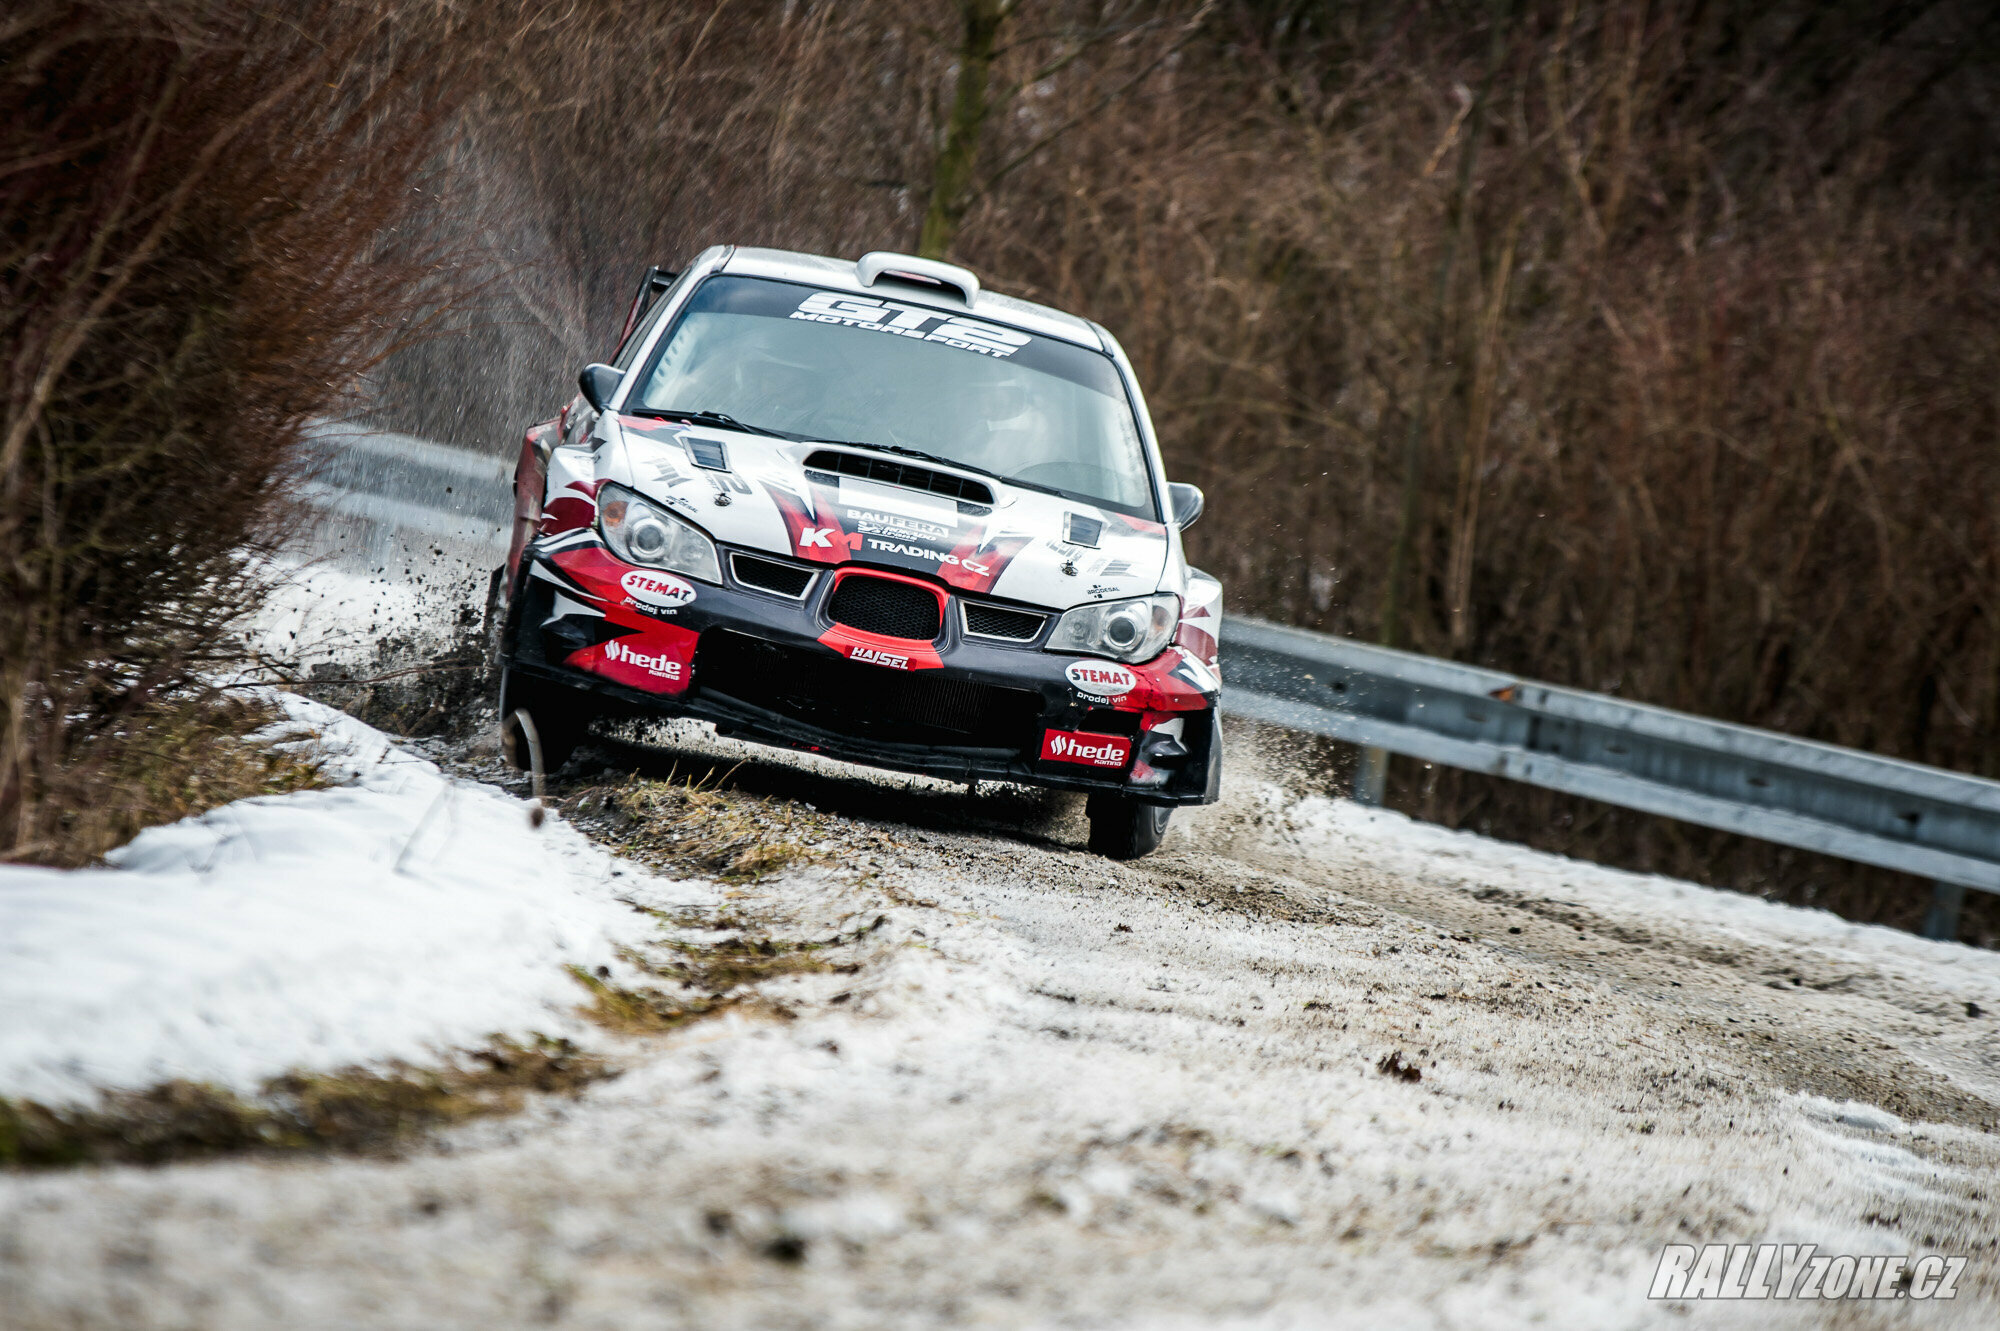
701 828
169 762
744 960
357 1110
710 978
646 1011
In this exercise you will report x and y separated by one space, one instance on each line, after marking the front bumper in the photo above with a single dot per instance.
776 670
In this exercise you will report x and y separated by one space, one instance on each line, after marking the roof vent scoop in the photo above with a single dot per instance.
1079 530
878 264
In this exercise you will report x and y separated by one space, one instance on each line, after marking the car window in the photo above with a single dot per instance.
818 364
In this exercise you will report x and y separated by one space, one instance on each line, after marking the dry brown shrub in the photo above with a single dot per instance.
172 760
193 201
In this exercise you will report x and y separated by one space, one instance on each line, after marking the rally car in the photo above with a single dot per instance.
869 510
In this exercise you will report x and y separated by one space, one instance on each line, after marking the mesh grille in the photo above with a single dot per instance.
992 621
769 575
917 707
894 609
899 473
1110 721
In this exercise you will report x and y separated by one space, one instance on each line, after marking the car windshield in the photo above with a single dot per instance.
823 365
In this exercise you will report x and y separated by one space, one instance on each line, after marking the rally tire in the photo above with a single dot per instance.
561 722
1121 828
493 624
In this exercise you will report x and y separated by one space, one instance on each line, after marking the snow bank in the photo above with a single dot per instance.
396 916
1338 829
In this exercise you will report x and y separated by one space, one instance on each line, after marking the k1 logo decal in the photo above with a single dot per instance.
662 591
1102 679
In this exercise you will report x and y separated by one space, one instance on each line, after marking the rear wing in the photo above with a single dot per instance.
656 280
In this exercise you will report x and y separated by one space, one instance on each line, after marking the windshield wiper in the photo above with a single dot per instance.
949 462
720 419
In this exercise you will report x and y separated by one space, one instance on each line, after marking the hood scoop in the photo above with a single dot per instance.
709 453
1079 530
834 463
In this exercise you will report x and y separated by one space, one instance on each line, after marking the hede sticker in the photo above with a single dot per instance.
662 590
1101 679
1069 746
659 664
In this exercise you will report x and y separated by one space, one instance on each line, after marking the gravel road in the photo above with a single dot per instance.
1310 1065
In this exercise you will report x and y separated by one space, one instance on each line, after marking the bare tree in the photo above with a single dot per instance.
955 182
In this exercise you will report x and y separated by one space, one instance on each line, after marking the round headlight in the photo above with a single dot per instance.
639 533
1131 631
649 538
1125 627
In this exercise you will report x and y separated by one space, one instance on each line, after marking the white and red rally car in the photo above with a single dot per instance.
871 511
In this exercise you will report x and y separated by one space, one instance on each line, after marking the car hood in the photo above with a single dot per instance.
1026 546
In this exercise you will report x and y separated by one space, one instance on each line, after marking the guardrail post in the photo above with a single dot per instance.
1941 921
1371 778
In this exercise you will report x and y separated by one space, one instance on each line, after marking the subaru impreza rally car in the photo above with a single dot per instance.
872 511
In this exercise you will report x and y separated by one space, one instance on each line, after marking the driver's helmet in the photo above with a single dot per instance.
1017 422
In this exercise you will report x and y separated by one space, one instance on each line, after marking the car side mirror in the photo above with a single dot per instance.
598 383
1187 503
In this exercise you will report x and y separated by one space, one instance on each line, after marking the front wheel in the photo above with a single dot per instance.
493 625
561 722
1121 828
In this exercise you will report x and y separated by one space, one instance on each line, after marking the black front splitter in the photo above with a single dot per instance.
735 719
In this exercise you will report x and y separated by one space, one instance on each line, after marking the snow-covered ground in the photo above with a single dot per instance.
400 914
1032 1087
1936 988
1050 1090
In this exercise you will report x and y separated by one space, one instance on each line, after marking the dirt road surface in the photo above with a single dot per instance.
1309 1066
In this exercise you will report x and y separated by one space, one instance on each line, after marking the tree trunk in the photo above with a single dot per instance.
1371 781
958 154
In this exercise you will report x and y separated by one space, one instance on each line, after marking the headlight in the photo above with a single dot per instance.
1131 631
642 533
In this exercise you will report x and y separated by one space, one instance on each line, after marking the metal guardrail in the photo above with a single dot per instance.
1922 820
357 460
391 496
